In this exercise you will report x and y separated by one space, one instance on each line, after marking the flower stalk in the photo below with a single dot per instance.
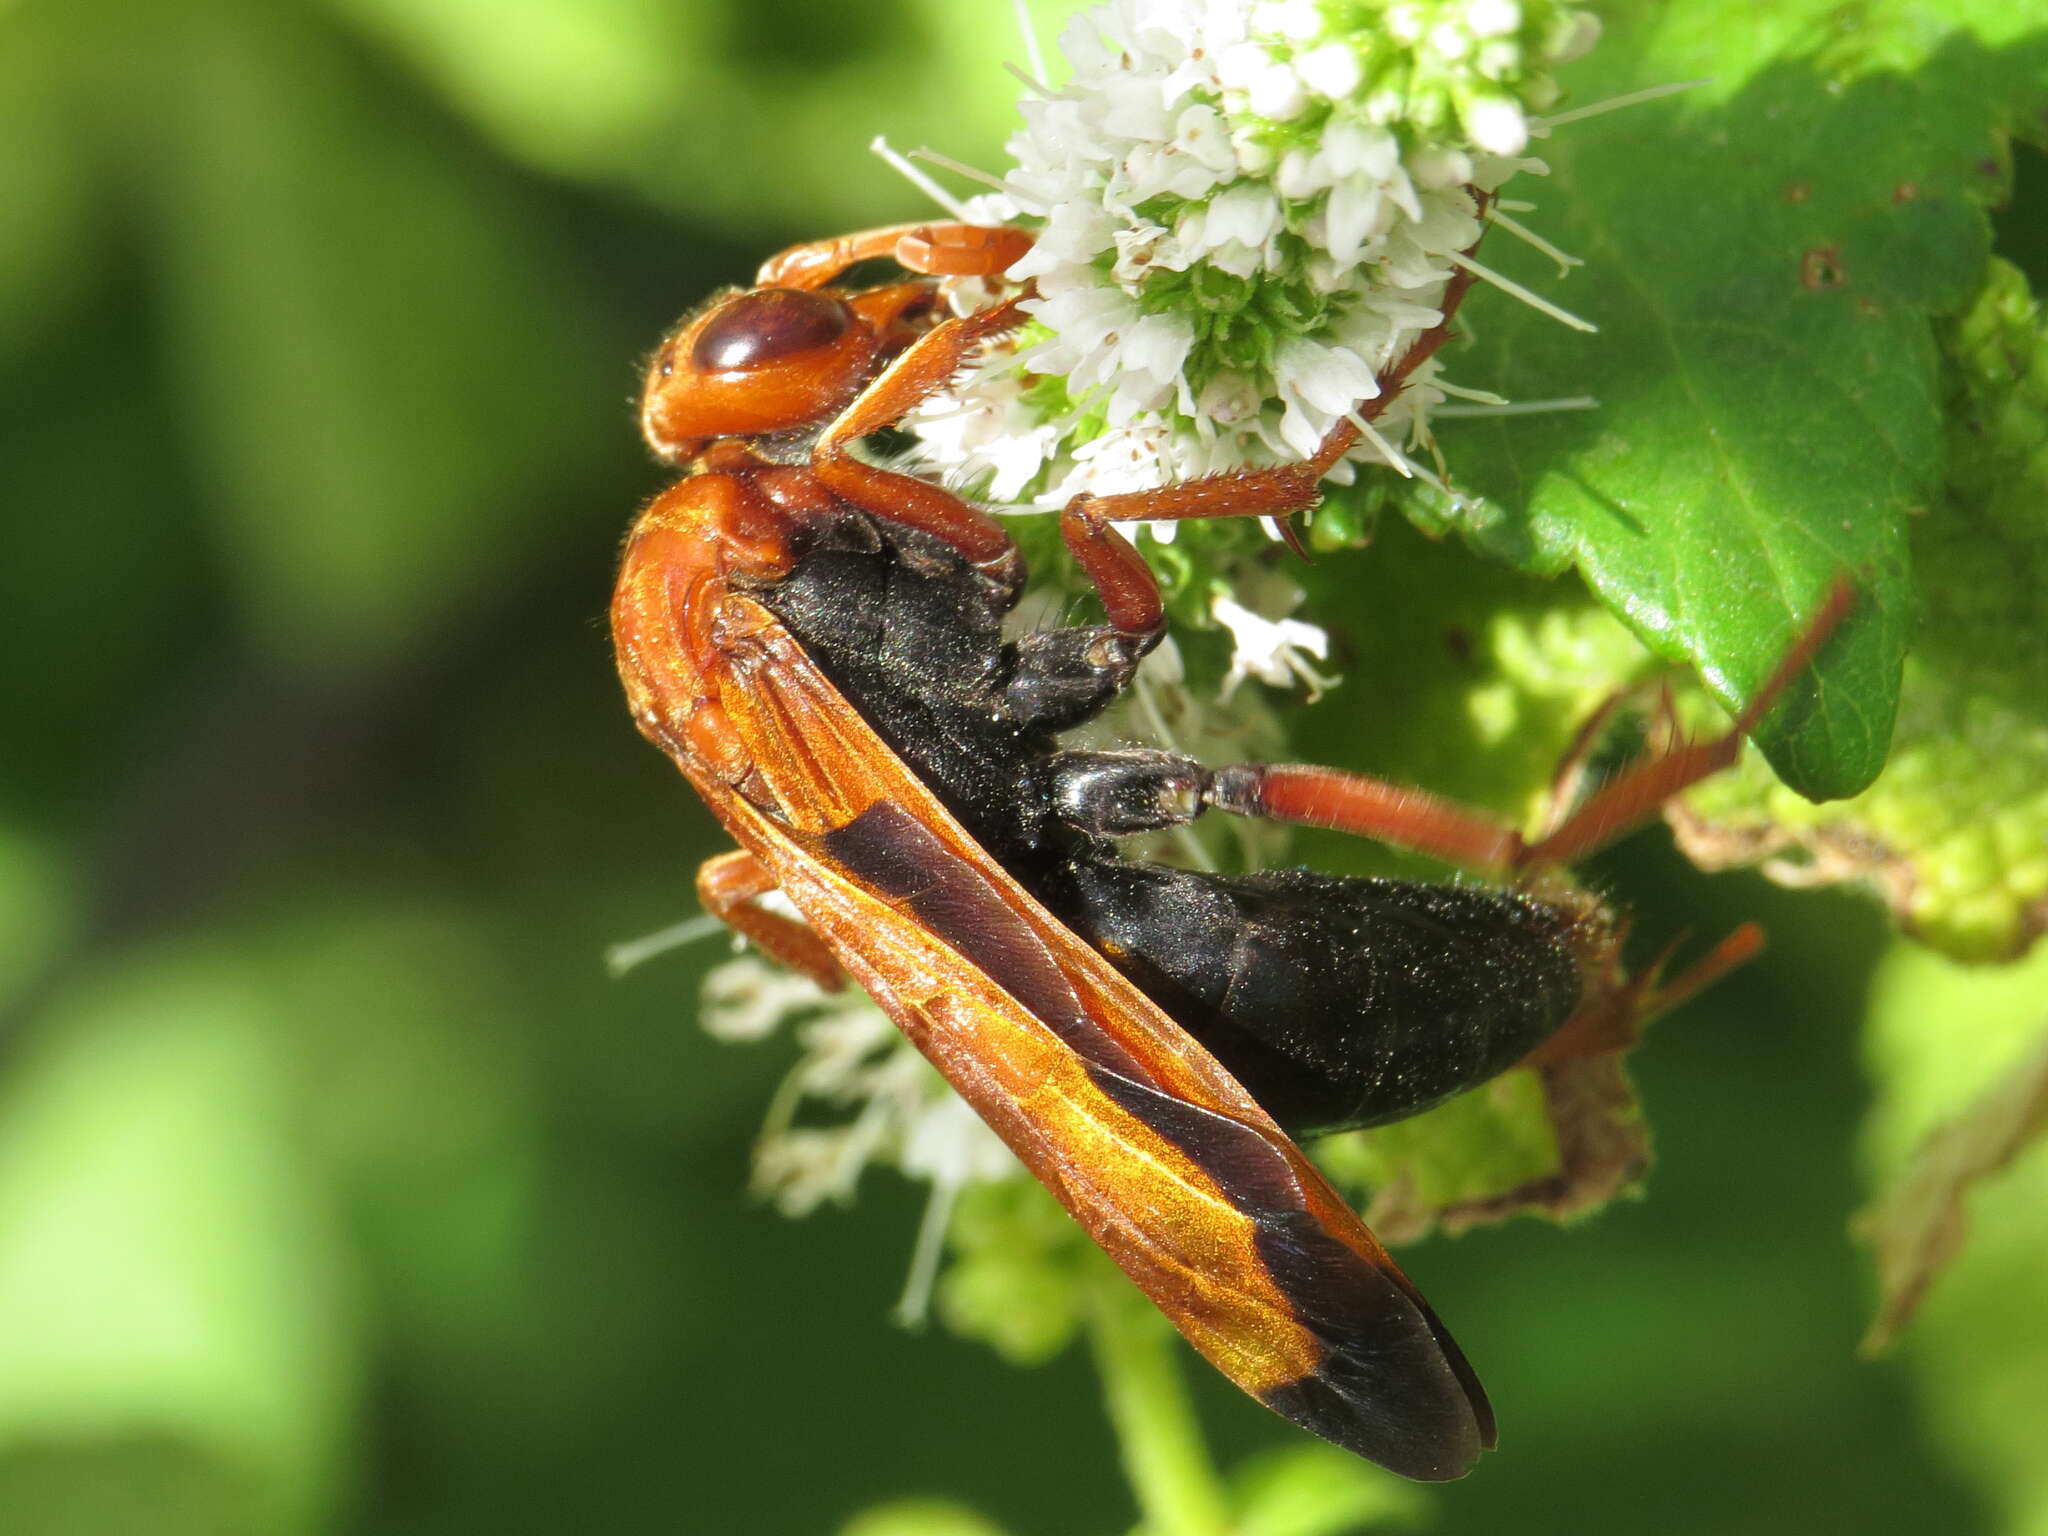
1172 1476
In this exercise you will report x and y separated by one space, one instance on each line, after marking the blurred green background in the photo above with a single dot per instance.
339 1187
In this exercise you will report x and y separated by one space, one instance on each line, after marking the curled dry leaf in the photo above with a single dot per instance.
1602 1151
1917 1225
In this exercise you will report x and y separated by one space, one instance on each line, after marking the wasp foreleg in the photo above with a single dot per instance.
937 250
921 371
730 886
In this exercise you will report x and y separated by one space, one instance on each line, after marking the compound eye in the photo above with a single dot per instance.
767 326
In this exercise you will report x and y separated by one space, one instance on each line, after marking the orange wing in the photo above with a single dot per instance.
1156 1150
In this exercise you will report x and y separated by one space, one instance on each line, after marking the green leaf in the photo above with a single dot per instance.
706 110
1954 834
46 186
1317 1490
1479 1148
381 364
1943 1040
176 1353
1017 1270
1460 677
920 1517
1764 255
1918 1225
38 908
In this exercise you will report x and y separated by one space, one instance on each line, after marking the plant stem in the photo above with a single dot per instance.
1164 1455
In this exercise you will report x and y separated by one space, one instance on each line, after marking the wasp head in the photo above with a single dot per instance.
771 360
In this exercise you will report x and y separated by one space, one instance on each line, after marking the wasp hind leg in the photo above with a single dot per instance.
1405 817
730 887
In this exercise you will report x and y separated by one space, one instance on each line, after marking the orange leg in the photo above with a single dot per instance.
1568 780
920 371
950 250
937 250
728 886
1616 1005
1129 592
1424 823
816 262
1624 1006
1278 490
1638 793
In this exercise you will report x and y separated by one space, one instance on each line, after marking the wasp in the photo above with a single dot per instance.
817 641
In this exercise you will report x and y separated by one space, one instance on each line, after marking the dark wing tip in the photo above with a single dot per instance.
1431 1442
1389 1383
1392 1385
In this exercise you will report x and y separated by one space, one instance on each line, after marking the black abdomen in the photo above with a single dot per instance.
1336 1002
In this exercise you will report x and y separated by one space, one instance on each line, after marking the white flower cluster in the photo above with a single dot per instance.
1249 211
890 1106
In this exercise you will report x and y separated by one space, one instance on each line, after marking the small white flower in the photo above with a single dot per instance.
1155 347
1295 19
951 1144
1450 39
1572 37
987 435
1137 250
1240 64
747 999
1498 126
1493 18
1246 214
1275 651
1277 93
837 1050
1332 70
892 1108
1438 167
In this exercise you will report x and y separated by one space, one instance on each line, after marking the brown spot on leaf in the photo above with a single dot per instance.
1906 192
1798 192
1821 269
